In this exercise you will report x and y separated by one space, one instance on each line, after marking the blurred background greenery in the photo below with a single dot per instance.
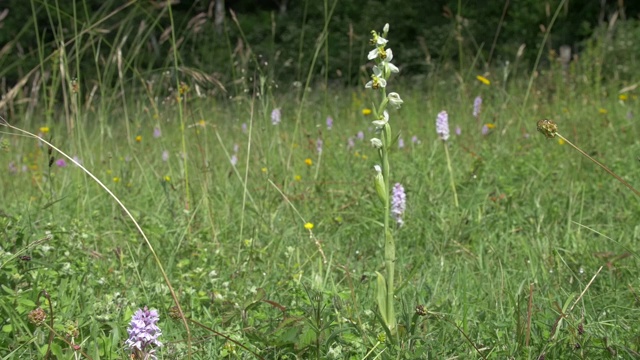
467 33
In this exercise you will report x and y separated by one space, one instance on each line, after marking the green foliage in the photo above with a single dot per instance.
426 33
508 274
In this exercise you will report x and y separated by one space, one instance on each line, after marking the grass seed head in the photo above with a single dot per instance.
548 128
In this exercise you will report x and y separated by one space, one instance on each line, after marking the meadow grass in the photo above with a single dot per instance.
538 259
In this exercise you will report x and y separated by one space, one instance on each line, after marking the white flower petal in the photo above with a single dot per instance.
389 55
373 54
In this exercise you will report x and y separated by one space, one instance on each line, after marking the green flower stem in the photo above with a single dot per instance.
389 244
453 184
600 164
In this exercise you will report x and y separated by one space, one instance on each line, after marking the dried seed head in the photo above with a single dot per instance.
548 128
174 313
37 316
420 310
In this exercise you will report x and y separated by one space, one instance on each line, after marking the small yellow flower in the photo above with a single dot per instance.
138 138
116 179
183 89
366 111
202 123
264 169
297 178
364 157
356 154
491 125
44 129
561 141
483 80
308 226
623 97
167 178
308 161
602 111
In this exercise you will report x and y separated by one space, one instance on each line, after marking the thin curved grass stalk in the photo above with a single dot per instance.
4 122
549 129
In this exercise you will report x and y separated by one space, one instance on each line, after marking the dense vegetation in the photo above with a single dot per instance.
472 34
243 153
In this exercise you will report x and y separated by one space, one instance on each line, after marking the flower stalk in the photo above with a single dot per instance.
442 128
550 129
382 71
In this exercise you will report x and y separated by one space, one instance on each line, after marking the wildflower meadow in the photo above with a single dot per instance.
298 207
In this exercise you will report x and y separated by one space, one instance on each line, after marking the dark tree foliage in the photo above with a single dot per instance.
284 32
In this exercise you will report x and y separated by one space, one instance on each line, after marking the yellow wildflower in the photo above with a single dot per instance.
264 169
116 179
138 138
308 226
167 178
623 97
602 111
44 129
297 178
308 161
364 157
561 141
366 111
491 125
483 80
183 89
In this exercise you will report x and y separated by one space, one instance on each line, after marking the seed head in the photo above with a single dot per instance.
37 316
421 310
174 313
548 128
